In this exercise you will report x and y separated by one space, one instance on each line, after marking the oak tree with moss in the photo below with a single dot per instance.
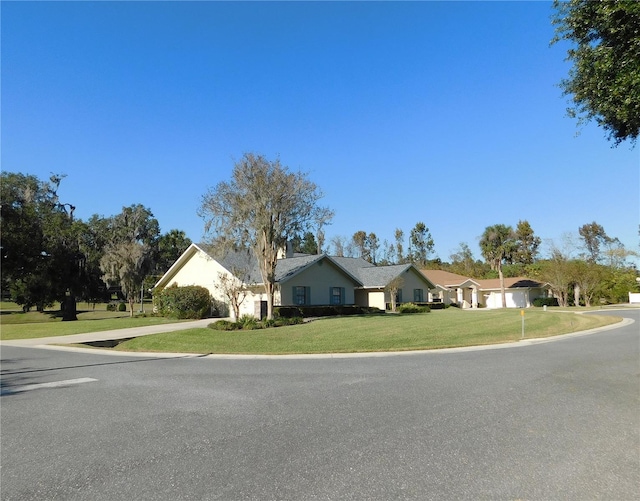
604 82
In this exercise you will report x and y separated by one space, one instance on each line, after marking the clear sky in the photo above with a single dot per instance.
443 112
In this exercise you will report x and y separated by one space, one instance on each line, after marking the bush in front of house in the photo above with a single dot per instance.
189 301
247 322
412 308
122 307
324 311
545 301
224 325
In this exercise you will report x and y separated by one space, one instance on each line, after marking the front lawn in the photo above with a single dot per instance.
18 325
438 329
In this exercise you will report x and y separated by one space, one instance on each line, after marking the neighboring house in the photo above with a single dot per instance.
519 292
452 288
470 293
300 279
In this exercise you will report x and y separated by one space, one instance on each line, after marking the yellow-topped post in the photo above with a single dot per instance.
522 315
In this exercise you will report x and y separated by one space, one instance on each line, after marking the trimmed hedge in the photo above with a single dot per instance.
412 308
191 301
545 301
324 311
251 323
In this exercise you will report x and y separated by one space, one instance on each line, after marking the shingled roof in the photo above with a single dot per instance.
372 276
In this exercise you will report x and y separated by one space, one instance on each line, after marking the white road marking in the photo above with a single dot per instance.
52 384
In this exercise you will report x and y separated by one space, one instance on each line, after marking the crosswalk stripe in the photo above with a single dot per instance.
52 384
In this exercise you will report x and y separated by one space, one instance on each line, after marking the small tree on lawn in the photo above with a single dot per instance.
392 289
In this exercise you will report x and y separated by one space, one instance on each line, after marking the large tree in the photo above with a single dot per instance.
41 259
421 244
604 82
124 264
171 245
132 239
527 243
262 206
594 238
498 245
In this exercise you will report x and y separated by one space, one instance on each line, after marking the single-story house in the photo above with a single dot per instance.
301 279
473 293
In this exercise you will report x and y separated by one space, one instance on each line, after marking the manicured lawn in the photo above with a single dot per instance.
18 325
438 329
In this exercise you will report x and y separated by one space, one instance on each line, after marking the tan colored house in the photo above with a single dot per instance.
301 279
473 293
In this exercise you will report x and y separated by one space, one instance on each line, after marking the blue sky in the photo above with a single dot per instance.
443 112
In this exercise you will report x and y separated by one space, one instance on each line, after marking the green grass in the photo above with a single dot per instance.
438 329
18 325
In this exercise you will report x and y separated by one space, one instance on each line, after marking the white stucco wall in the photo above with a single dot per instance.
515 298
200 270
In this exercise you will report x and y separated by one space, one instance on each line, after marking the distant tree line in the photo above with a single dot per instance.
48 255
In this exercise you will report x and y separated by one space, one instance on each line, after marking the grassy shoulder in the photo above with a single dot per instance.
438 329
18 325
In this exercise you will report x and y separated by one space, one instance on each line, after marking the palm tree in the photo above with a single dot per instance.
498 244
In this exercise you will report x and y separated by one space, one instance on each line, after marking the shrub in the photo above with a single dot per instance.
191 301
288 321
248 322
287 311
412 308
224 325
324 311
545 301
122 307
111 306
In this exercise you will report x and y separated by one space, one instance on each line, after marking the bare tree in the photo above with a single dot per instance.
322 217
261 207
338 242
234 289
392 289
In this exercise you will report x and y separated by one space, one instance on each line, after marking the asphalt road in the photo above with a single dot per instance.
557 420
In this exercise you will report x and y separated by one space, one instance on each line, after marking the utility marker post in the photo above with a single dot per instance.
522 315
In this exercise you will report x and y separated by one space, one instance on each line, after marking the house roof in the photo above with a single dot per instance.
448 279
509 283
286 268
179 263
363 273
372 276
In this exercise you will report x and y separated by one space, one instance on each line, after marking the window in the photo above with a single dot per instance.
418 296
399 296
337 295
300 295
